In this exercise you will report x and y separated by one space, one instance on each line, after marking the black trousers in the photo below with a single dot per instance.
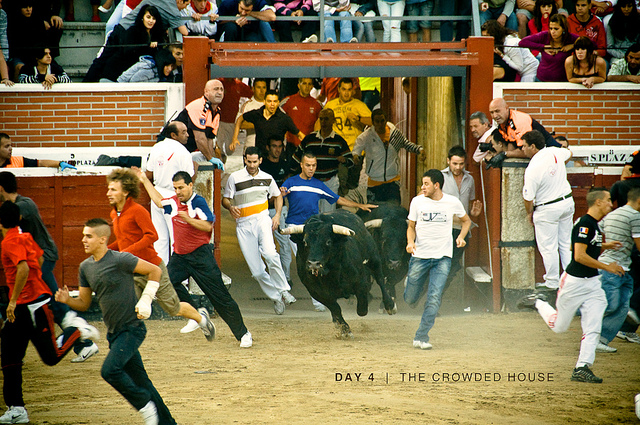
201 265
32 323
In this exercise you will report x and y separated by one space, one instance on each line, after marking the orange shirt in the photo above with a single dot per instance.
18 247
135 232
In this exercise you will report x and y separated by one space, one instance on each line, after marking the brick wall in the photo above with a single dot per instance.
608 114
80 116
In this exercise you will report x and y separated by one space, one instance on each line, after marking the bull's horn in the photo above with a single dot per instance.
296 228
373 223
342 230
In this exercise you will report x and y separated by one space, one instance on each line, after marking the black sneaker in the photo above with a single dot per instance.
529 301
584 374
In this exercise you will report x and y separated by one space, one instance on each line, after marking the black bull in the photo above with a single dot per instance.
337 259
388 226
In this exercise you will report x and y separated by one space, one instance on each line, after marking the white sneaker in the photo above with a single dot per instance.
278 306
149 414
15 415
311 39
353 40
191 326
329 40
637 400
288 298
87 331
208 329
629 336
604 348
85 353
246 341
68 320
320 308
422 345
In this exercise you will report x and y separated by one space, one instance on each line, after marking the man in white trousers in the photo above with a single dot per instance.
166 158
246 197
548 201
580 287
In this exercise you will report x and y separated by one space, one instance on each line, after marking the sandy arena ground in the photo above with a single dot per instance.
297 372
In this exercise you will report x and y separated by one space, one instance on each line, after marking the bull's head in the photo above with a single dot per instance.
319 239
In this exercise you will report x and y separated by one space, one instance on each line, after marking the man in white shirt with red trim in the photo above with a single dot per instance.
247 198
548 201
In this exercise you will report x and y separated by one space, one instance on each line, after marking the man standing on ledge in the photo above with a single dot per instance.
549 205
430 244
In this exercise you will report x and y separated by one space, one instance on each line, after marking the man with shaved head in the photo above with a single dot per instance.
512 125
202 119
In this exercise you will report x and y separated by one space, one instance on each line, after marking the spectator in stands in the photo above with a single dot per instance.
422 8
234 90
43 69
177 51
296 8
481 130
336 8
363 30
303 110
203 14
125 47
24 33
48 12
9 161
602 8
150 70
391 28
630 179
584 66
242 29
329 89
627 68
513 125
500 10
537 11
555 46
169 11
506 42
583 23
5 76
70 10
623 28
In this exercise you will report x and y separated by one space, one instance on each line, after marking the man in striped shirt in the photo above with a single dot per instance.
622 225
330 149
247 198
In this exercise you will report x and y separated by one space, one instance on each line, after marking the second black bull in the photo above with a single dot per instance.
337 258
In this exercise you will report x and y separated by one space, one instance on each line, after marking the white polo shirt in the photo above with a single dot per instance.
165 160
434 222
545 178
251 193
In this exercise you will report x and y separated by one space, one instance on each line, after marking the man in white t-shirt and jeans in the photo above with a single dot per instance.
430 244
548 201
166 158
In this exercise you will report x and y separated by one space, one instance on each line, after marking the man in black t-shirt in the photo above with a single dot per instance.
277 165
580 286
269 122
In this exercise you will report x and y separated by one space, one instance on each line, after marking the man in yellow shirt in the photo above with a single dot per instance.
352 115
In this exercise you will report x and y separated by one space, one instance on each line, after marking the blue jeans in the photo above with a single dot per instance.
618 290
346 31
124 371
494 13
438 271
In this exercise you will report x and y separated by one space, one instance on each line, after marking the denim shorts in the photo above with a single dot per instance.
424 8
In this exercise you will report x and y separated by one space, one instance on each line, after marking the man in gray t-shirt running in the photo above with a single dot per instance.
110 275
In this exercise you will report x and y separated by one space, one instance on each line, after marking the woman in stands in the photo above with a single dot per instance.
43 69
555 46
542 11
150 70
623 28
584 66
506 47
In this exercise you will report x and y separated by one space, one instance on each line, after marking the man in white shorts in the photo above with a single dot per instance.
580 287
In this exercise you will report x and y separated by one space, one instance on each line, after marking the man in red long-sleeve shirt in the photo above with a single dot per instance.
135 234
583 23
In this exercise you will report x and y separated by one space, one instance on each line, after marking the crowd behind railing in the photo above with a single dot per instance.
545 40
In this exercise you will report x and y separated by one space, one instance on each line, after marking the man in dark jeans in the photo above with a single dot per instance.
110 275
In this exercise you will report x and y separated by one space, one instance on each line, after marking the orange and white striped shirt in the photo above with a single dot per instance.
251 193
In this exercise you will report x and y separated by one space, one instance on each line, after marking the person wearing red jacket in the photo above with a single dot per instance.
583 23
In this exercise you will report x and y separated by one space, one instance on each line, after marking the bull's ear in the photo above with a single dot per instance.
342 230
372 224
298 228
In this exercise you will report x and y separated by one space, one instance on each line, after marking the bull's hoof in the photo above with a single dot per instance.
343 331
391 309
394 310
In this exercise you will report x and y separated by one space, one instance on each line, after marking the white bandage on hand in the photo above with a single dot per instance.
143 307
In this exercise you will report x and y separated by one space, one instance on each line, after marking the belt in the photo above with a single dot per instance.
562 198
